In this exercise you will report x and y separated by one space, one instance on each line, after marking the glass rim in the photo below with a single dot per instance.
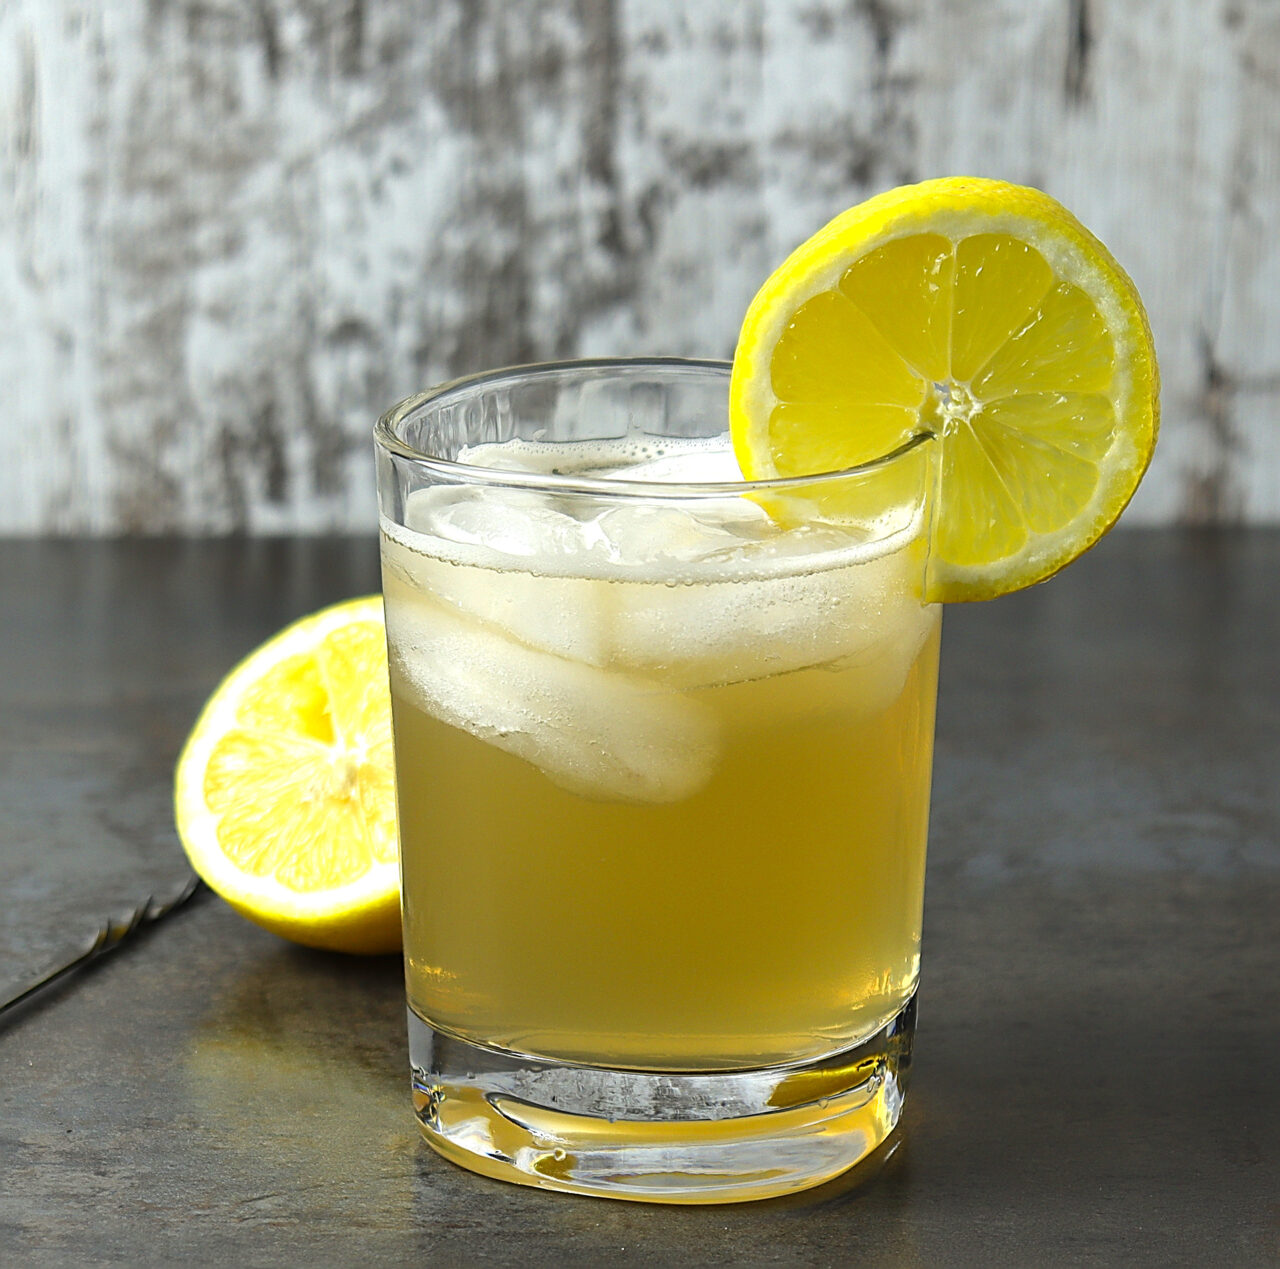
471 473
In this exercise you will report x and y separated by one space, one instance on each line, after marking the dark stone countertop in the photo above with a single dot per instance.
1097 1077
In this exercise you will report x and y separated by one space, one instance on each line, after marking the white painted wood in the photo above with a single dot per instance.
231 231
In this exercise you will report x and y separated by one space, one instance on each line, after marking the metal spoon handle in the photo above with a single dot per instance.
109 937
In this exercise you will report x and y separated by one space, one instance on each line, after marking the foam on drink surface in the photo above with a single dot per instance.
605 640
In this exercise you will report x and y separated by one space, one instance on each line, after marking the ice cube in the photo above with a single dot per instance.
686 462
505 524
857 686
640 534
565 616
598 733
736 630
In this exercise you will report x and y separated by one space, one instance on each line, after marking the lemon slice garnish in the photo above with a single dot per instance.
986 314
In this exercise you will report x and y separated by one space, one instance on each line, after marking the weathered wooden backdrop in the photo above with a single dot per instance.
231 231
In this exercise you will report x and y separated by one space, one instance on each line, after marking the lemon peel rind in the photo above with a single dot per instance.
955 208
359 916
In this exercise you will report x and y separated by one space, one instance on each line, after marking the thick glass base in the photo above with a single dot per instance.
655 1136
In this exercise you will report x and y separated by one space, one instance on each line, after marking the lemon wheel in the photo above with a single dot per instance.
985 314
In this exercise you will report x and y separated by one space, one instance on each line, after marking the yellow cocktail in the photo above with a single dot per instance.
687 831
663 750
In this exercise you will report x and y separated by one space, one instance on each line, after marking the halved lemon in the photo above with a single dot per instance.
284 795
981 312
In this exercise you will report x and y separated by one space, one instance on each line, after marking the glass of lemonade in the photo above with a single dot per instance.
663 747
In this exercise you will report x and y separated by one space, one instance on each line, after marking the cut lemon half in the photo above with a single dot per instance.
284 795
983 313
